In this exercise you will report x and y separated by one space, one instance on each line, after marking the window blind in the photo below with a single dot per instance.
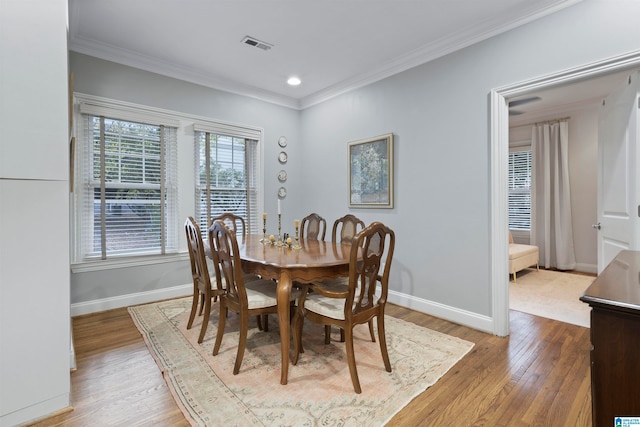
227 175
520 189
127 188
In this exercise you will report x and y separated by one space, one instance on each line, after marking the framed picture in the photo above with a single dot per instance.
371 172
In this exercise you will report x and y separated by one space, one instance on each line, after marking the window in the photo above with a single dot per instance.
126 186
520 188
226 175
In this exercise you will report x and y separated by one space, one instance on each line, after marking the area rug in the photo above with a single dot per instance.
319 391
551 294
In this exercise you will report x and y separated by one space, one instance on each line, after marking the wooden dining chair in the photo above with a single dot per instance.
237 224
234 222
343 230
349 225
257 297
204 286
313 227
369 265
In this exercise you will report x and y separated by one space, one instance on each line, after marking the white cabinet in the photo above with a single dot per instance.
34 124
34 295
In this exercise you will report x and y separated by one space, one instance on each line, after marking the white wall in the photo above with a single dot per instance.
439 113
34 210
583 156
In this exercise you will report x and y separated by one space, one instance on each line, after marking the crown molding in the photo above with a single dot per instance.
436 49
153 65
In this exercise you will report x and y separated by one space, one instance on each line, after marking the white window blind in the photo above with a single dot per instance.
520 188
226 174
127 188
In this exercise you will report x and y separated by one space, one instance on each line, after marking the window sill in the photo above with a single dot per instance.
109 264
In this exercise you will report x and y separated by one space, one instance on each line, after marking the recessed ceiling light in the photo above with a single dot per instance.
293 81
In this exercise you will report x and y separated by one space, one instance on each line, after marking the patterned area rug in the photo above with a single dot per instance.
551 294
319 391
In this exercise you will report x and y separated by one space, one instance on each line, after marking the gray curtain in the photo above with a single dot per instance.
551 226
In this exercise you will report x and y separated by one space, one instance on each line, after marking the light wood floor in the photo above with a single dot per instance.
539 376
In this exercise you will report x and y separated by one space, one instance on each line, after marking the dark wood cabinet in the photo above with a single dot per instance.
614 298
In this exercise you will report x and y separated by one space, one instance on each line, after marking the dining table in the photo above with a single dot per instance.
308 262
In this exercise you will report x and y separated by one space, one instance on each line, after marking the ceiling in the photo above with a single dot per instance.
558 100
333 45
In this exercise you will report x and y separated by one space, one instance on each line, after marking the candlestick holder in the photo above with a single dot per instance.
264 239
296 243
279 242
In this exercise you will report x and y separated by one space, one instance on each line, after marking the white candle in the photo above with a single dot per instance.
278 206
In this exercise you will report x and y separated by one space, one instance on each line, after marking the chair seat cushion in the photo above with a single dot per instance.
248 277
337 285
262 293
329 307
517 250
326 306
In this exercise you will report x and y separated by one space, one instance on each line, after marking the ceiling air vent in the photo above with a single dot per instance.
256 43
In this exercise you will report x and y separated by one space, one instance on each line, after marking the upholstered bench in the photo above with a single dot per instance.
521 257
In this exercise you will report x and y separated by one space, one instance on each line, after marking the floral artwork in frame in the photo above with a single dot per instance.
371 172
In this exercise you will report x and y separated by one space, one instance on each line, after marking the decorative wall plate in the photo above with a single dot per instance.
282 176
282 157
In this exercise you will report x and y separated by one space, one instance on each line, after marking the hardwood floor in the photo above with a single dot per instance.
537 376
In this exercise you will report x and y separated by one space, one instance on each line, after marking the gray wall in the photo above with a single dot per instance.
103 289
439 113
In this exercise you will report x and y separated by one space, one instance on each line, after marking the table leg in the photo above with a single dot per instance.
284 299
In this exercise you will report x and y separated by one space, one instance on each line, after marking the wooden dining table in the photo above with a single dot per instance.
314 261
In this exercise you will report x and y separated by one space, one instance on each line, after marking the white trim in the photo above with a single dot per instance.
29 414
228 129
587 268
433 50
499 166
136 261
182 120
452 314
499 149
524 145
97 106
119 301
170 69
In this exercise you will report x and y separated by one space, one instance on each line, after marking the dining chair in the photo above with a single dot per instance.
257 297
234 222
205 287
349 225
237 224
313 227
343 230
369 265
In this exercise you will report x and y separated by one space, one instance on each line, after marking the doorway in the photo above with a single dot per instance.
499 166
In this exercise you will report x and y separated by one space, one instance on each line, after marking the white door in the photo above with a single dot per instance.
619 166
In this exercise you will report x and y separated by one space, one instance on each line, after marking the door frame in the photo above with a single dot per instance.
499 168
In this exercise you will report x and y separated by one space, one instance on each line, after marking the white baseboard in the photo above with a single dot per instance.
38 411
452 314
587 268
103 304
